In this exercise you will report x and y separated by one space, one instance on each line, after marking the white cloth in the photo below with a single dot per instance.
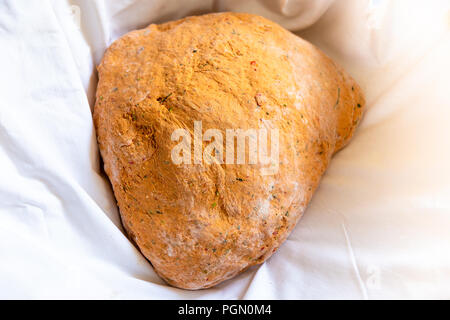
378 226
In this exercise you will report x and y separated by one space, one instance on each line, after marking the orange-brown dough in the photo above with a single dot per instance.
200 224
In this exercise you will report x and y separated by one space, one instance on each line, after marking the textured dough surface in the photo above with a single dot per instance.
201 224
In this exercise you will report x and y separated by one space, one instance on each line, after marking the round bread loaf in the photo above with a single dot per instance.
199 208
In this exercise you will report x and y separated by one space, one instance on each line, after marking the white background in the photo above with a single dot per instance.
378 227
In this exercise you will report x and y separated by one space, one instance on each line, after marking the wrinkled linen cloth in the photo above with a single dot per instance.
377 227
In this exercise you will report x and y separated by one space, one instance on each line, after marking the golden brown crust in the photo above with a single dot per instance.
202 224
